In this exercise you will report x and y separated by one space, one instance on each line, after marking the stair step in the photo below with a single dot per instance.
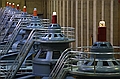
26 77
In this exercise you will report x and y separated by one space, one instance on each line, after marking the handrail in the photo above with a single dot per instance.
59 64
20 58
70 55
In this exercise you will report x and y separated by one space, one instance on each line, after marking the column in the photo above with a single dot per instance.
94 21
88 37
111 23
76 23
72 17
103 9
64 12
82 32
60 13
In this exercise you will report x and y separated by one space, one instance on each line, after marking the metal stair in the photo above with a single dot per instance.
2 11
8 28
7 46
62 74
4 22
59 72
21 56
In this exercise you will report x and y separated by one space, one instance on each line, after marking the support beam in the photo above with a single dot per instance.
51 7
77 34
67 12
57 10
49 14
60 13
54 5
82 32
103 6
94 20
88 24
67 15
64 17
72 17
64 12
111 23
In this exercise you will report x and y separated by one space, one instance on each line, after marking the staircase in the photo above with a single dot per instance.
59 71
6 47
4 23
21 56
8 28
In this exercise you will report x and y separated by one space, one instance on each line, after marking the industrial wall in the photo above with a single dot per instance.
83 15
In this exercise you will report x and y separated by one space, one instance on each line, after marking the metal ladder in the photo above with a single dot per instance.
7 46
63 65
4 23
20 57
62 74
58 71
5 34
2 11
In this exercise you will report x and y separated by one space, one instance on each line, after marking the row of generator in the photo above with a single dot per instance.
33 47
29 45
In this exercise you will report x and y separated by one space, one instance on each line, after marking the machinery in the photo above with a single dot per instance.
25 36
102 60
52 44
9 12
39 37
102 52
21 35
15 32
9 22
48 49
96 64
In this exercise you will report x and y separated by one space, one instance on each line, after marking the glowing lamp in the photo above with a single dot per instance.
54 13
102 24
9 4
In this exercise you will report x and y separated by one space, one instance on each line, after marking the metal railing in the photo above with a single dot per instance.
72 58
6 64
